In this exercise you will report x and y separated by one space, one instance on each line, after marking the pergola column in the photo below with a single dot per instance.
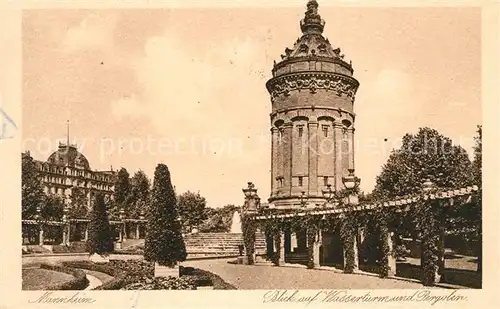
120 232
40 235
124 237
316 249
355 256
137 234
86 232
279 248
441 258
391 258
293 241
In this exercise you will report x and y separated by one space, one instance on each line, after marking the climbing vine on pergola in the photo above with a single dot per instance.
424 215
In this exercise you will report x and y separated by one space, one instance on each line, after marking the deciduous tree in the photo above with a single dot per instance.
32 194
191 209
427 154
140 195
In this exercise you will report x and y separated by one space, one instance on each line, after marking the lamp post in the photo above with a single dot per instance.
303 199
123 229
351 183
328 194
67 226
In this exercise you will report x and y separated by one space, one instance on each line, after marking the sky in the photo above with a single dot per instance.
186 87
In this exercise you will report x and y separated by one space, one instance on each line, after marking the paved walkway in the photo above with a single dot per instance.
272 277
93 282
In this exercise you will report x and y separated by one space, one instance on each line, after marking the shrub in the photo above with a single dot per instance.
79 282
60 249
78 247
161 283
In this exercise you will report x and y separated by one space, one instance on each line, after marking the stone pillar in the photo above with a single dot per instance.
316 249
120 233
293 241
282 248
391 257
64 237
350 137
441 258
313 157
87 232
337 131
287 158
274 157
124 237
69 233
40 235
137 230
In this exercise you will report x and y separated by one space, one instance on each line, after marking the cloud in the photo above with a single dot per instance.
213 95
197 89
127 106
95 32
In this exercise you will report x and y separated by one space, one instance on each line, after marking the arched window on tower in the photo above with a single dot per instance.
325 131
301 130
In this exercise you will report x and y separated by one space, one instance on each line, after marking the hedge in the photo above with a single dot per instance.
119 276
79 282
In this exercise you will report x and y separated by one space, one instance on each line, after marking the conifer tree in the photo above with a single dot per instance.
100 240
164 242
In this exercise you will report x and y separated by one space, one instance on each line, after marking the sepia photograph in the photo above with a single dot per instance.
292 148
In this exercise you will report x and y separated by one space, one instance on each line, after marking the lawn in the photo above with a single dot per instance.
39 279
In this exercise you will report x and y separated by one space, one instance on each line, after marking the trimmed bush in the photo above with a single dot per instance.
164 243
79 282
100 240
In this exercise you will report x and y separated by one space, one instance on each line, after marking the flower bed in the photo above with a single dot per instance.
79 282
139 275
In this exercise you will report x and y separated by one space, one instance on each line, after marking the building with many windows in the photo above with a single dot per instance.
67 170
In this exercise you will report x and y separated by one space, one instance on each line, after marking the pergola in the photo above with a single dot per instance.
314 218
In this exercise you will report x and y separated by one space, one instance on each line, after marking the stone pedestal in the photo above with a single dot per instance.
96 258
118 245
165 271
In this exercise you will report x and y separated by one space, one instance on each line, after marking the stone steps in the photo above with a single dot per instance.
211 244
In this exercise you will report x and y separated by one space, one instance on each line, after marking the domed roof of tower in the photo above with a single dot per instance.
312 43
68 155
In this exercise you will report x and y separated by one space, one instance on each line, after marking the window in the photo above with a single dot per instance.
280 135
300 181
301 130
325 181
325 131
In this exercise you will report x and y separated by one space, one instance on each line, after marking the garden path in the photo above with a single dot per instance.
271 277
93 282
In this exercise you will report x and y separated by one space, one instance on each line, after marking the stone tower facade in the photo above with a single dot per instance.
312 120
